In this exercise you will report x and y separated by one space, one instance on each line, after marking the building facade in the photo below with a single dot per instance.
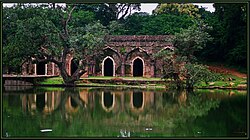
121 56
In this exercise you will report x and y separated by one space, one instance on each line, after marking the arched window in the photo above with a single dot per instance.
108 66
138 66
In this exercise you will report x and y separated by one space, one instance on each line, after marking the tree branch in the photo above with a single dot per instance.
48 58
66 22
126 12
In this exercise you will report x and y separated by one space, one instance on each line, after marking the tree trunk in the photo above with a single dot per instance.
67 79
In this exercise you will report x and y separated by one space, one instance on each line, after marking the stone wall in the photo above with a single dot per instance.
123 50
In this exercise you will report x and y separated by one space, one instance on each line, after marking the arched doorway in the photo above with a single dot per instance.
41 68
73 66
137 67
108 67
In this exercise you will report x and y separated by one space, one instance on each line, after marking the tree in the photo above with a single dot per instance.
163 24
124 9
101 12
229 31
48 37
186 43
178 9
107 12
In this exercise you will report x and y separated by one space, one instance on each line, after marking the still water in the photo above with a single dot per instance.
103 112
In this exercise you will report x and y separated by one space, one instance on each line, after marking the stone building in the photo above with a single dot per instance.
121 56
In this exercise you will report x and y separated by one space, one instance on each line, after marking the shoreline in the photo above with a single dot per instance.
143 86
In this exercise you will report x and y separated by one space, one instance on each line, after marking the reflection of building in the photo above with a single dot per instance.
44 102
110 101
123 56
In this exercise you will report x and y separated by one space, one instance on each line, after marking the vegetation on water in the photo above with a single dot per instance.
48 33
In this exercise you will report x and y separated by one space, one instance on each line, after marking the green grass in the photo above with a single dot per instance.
222 83
125 78
54 80
157 86
59 80
225 83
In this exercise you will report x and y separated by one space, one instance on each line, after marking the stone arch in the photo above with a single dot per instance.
107 103
138 66
112 50
136 49
169 47
110 63
109 51
73 65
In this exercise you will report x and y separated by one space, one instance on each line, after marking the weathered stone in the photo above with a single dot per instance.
123 51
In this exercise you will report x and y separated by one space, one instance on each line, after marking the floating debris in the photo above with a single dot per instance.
46 130
148 129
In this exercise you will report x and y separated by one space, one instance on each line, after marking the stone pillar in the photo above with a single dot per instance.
24 69
46 69
123 66
93 70
35 72
53 68
152 69
90 70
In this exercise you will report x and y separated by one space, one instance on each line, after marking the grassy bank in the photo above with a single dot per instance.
228 82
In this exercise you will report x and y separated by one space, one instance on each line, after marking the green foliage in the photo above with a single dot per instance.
163 24
230 35
116 28
180 61
38 29
26 30
178 9
81 18
101 12
190 40
94 38
196 73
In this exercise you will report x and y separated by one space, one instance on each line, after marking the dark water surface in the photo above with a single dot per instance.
103 112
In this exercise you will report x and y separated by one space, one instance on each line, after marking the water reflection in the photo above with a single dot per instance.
88 112
137 100
108 101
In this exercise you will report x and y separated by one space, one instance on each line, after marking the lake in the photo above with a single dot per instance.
125 112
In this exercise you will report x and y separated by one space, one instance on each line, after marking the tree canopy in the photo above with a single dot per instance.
53 32
49 35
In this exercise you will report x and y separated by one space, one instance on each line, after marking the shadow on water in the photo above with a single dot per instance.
99 112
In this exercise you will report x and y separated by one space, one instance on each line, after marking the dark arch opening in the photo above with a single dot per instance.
73 102
40 101
73 66
108 67
137 68
41 68
108 99
137 99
